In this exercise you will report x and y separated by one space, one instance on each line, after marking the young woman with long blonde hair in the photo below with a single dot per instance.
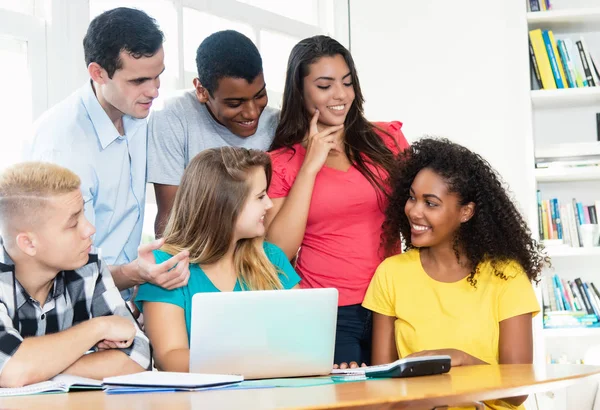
218 216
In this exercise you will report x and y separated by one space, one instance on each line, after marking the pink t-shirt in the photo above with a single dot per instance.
341 244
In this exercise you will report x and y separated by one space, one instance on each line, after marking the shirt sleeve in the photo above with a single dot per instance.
280 179
393 130
149 292
380 294
289 278
107 301
166 148
10 338
517 296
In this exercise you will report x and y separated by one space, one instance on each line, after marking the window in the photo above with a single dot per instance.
16 82
22 77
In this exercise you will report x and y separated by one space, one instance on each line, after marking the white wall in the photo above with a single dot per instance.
457 69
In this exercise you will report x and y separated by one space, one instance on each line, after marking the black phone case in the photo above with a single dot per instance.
411 369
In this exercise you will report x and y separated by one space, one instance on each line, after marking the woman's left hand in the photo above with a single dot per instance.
352 365
458 357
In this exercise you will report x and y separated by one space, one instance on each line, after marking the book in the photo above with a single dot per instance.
580 80
584 62
567 64
534 5
561 67
556 72
535 69
543 61
167 381
588 56
62 383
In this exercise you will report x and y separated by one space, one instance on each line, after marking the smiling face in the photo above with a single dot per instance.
236 104
434 213
328 87
250 222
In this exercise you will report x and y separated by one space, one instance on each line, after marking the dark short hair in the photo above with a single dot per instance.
227 54
120 29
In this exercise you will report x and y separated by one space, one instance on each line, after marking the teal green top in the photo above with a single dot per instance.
199 282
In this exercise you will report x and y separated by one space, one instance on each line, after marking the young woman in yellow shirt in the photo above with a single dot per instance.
463 285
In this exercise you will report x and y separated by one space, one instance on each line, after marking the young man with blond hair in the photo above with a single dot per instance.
57 300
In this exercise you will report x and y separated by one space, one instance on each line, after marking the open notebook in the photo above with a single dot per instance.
167 381
132 383
58 384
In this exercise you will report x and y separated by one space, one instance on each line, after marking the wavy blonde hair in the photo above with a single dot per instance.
213 191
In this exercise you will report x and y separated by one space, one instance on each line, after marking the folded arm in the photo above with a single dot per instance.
41 358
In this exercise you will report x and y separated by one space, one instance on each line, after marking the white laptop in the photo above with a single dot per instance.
264 334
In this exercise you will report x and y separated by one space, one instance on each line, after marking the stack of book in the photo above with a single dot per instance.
563 220
561 63
570 303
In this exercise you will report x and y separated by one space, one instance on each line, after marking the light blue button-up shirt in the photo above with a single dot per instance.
78 134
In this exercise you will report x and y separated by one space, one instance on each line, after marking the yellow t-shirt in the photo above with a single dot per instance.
437 315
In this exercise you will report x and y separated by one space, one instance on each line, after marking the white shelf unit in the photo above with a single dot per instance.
560 174
564 251
565 97
571 332
564 126
583 19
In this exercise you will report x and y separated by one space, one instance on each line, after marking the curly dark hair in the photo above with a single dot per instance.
227 53
497 232
120 29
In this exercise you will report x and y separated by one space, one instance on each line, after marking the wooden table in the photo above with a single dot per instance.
461 385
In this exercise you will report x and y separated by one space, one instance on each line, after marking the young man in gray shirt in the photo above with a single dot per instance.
227 107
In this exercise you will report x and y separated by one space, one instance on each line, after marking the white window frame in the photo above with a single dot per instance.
32 30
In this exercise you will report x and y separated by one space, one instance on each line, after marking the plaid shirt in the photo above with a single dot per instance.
76 296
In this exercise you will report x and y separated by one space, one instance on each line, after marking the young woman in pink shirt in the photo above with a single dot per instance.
330 184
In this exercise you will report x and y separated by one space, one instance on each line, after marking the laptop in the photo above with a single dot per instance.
264 334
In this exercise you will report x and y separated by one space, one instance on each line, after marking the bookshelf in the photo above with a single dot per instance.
571 333
563 251
564 128
580 19
567 174
565 98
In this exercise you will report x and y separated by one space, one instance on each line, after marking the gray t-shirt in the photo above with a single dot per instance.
184 127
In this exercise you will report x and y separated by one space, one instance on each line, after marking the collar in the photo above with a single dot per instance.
105 129
8 266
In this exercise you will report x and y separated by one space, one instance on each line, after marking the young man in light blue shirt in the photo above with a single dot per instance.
99 132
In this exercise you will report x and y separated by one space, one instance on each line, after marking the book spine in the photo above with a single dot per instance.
593 215
586 68
564 58
588 56
553 63
576 298
566 228
559 63
557 219
540 214
592 299
580 213
586 302
568 295
534 67
534 5
576 61
541 56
